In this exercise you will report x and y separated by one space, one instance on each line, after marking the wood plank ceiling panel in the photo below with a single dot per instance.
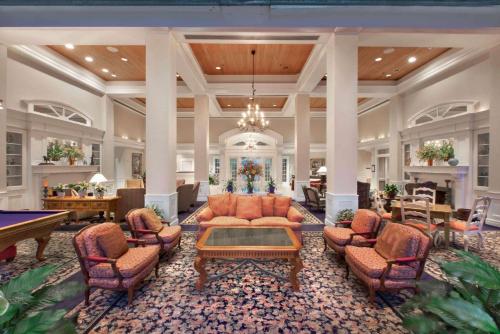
266 103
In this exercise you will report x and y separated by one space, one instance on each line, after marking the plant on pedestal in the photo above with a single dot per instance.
345 215
428 152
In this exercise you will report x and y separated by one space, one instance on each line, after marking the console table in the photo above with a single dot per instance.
106 204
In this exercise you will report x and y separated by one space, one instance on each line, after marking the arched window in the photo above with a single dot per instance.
442 111
59 111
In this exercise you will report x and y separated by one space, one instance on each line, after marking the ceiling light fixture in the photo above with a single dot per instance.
89 59
105 70
218 68
388 51
112 49
113 75
253 119
412 59
124 59
378 59
388 75
69 46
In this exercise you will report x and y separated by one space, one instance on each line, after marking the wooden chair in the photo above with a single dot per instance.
425 193
474 224
379 206
416 211
134 183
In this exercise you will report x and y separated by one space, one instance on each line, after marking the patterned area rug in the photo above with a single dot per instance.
309 218
245 301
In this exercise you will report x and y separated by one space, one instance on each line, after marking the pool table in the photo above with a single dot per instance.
21 225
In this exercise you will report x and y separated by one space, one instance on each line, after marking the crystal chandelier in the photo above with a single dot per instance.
253 119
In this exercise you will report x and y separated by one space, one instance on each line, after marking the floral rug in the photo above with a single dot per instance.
244 301
309 218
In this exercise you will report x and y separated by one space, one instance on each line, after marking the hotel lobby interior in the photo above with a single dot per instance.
313 174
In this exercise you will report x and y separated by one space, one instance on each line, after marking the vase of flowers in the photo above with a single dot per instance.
250 170
229 186
428 152
60 190
99 191
81 188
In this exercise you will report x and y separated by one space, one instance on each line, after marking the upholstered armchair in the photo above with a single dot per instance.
184 197
314 200
364 226
108 263
144 224
394 261
130 198
196 190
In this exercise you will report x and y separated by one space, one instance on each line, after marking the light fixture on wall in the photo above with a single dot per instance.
1 104
253 119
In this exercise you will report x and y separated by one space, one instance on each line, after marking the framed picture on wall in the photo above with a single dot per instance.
136 164
316 164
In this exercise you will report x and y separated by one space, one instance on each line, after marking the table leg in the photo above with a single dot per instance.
446 231
296 267
42 243
199 265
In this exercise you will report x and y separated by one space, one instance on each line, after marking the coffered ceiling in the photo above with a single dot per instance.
182 102
320 102
236 59
266 103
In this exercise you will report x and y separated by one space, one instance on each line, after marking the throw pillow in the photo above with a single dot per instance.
151 220
218 204
395 242
281 205
112 242
268 206
364 221
249 207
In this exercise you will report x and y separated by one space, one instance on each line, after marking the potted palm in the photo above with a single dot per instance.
55 151
271 185
428 152
60 190
72 153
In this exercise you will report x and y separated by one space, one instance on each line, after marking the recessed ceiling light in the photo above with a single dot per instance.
274 105
112 49
388 75
218 68
125 137
124 59
388 51
114 75
105 70
228 105
89 59
250 98
378 59
412 59
69 46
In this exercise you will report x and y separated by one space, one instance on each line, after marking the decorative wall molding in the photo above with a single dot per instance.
442 111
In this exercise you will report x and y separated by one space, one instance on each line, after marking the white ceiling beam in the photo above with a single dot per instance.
189 70
245 89
138 89
436 39
313 71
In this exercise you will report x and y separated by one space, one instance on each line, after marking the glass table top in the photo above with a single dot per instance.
248 237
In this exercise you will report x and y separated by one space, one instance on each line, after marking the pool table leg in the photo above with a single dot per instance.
42 243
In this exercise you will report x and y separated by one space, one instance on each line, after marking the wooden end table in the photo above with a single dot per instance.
247 245
106 204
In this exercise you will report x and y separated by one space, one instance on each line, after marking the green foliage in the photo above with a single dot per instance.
73 152
229 184
446 151
60 187
81 186
99 188
391 190
468 301
345 214
27 308
55 151
213 179
428 152
158 211
271 184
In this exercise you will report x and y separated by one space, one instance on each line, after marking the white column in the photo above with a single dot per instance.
108 146
395 150
201 144
3 127
494 163
341 125
161 123
278 165
302 138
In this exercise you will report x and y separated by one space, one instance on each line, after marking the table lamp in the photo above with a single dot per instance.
98 178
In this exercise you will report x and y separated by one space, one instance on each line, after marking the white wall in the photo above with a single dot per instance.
374 124
123 162
364 166
129 123
27 83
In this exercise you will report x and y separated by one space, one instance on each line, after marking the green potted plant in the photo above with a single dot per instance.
27 303
447 153
72 153
60 190
345 215
55 151
391 190
99 191
271 185
81 188
428 152
213 179
157 210
466 301
229 186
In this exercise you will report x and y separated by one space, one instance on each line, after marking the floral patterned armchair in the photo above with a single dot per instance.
395 260
144 224
108 263
364 225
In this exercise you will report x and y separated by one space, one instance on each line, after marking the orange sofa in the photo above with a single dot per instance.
242 210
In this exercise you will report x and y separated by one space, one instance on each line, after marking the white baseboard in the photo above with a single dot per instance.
337 202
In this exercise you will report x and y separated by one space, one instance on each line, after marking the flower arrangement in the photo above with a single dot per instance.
99 190
81 188
446 151
345 215
72 153
60 189
428 152
250 170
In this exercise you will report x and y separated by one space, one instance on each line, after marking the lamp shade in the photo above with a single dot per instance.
322 170
98 178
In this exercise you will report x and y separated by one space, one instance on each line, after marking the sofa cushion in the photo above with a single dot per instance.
232 200
281 205
397 240
129 264
225 221
461 226
294 215
365 221
218 204
249 207
267 206
276 221
113 242
151 220
205 215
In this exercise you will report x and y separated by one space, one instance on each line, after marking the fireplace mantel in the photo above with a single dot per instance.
62 169
454 171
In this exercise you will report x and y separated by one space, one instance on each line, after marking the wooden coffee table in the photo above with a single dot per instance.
247 245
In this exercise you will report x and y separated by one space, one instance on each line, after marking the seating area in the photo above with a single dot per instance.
249 167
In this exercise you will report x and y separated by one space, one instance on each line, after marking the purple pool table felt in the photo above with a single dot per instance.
8 218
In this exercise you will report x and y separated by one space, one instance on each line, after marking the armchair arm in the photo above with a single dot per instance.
142 231
343 222
363 234
112 262
294 215
164 222
205 215
368 243
403 260
138 242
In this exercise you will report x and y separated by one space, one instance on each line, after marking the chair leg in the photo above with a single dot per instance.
480 240
157 268
466 243
130 295
179 244
346 270
372 295
87 296
324 241
453 236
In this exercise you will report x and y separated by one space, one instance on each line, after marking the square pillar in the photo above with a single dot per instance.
302 145
108 146
161 123
3 127
395 150
341 125
494 163
201 144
